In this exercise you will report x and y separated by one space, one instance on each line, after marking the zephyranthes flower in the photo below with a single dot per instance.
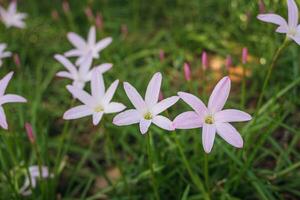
11 17
290 28
83 48
96 104
148 110
212 118
3 53
83 73
7 98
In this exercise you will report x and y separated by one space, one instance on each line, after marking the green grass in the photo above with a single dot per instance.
82 155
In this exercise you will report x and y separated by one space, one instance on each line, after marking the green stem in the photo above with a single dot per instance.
206 174
150 160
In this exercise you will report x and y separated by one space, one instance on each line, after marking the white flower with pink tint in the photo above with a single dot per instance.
212 118
98 103
11 17
146 111
290 28
82 74
3 53
84 48
7 98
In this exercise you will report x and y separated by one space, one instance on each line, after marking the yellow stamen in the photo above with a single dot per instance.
209 120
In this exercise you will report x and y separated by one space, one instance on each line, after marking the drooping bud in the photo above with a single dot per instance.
161 55
17 60
99 21
29 132
66 6
228 63
187 71
244 55
204 60
89 13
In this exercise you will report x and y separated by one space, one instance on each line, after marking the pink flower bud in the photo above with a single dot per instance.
54 15
262 8
187 71
29 131
244 55
66 6
89 13
161 96
99 21
124 30
228 63
17 60
161 54
204 60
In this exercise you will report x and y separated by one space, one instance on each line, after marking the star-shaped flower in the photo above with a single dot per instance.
148 110
212 118
83 48
96 104
11 17
3 53
83 73
290 28
7 98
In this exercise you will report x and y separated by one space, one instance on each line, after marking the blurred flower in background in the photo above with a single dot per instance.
11 18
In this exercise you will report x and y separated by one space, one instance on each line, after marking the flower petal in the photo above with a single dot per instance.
97 85
293 13
92 36
73 52
231 115
66 63
153 89
97 118
103 43
114 107
78 112
208 137
144 125
163 123
104 67
110 92
3 122
134 97
127 117
219 95
76 40
64 74
194 102
164 104
272 18
12 98
188 120
82 95
4 83
230 134
85 66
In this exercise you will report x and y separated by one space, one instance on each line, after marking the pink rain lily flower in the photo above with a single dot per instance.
98 103
11 18
7 98
3 53
35 174
212 118
83 48
83 73
148 110
290 28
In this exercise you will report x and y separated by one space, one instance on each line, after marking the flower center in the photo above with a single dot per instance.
209 119
292 32
99 109
148 116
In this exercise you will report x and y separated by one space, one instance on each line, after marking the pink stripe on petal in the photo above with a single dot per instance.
208 137
230 134
127 117
164 104
232 115
134 97
292 13
163 123
144 125
153 88
78 112
188 120
194 102
219 95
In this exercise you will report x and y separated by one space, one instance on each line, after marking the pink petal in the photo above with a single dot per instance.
134 97
12 98
114 107
230 134
76 40
144 125
82 95
3 122
92 36
164 104
293 13
219 95
163 123
208 137
194 102
231 115
103 43
272 18
97 118
188 120
127 117
78 112
153 89
4 82
97 85
66 63
110 92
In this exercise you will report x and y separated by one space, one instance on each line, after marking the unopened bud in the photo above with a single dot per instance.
29 132
228 63
244 55
161 54
89 13
99 21
17 60
204 60
187 71
66 6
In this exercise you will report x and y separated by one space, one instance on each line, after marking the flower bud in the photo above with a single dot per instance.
204 60
17 60
228 63
99 21
29 132
161 54
244 55
66 6
187 71
89 13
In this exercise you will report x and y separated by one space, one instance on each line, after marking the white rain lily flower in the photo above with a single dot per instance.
83 48
98 103
34 172
11 18
3 53
83 73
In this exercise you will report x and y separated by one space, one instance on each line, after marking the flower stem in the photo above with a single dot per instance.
150 160
206 173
